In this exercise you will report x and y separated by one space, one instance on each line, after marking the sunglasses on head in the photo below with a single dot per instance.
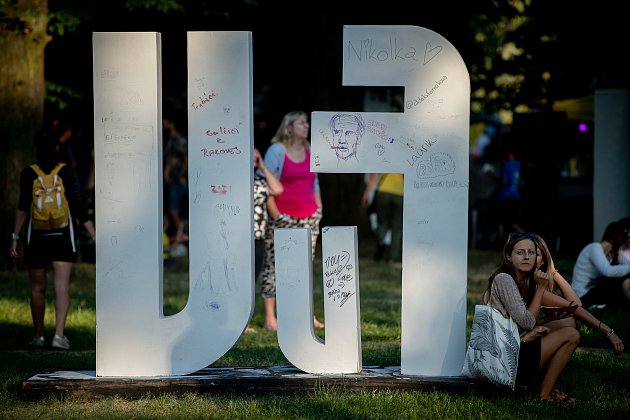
519 235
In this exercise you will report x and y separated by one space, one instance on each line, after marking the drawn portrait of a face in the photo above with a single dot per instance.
347 131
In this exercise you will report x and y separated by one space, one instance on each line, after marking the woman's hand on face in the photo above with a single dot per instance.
257 159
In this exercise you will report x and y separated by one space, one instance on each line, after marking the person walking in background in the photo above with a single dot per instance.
597 277
388 203
562 295
50 245
482 141
517 292
300 204
266 186
509 195
175 179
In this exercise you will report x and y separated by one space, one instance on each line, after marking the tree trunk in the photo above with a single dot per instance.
23 37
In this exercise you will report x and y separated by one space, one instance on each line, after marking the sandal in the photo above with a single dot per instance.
556 393
559 397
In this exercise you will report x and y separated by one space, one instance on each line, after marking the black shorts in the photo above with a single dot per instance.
607 291
528 362
45 247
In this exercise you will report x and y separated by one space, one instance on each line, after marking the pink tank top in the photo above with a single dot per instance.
298 198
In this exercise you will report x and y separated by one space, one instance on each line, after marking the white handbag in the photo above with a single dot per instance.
492 353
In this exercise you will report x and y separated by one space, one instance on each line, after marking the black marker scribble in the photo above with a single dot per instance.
345 297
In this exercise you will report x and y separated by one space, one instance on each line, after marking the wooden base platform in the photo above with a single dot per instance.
279 380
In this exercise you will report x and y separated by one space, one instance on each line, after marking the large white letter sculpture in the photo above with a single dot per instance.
341 352
428 143
134 338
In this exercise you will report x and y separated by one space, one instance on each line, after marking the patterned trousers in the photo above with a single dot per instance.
268 275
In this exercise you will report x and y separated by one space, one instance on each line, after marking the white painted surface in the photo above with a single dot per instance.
428 143
341 351
133 336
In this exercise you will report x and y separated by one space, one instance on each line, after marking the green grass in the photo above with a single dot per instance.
600 380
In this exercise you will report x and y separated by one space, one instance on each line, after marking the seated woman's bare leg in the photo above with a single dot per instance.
557 347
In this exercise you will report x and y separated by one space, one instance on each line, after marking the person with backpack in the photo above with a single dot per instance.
50 204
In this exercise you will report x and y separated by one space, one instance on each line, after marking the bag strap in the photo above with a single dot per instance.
38 193
57 168
37 169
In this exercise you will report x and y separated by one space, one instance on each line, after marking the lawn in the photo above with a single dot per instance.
599 379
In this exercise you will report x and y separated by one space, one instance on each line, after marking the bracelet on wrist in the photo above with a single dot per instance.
15 237
611 332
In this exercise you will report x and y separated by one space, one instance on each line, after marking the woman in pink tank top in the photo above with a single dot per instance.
300 204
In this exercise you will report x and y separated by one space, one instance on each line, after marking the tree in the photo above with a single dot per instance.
23 37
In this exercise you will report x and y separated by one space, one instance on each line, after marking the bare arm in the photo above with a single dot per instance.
534 306
565 288
89 226
551 299
273 184
272 208
20 217
275 187
318 198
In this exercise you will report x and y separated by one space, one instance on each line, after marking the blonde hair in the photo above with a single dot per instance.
548 265
283 135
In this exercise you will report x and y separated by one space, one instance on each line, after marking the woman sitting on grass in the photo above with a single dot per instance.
564 295
514 291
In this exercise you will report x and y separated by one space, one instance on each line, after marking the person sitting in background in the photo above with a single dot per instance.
562 295
515 291
624 248
597 278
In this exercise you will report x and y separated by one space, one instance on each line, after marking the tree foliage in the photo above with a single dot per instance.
527 54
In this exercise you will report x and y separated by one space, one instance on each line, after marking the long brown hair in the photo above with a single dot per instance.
548 266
